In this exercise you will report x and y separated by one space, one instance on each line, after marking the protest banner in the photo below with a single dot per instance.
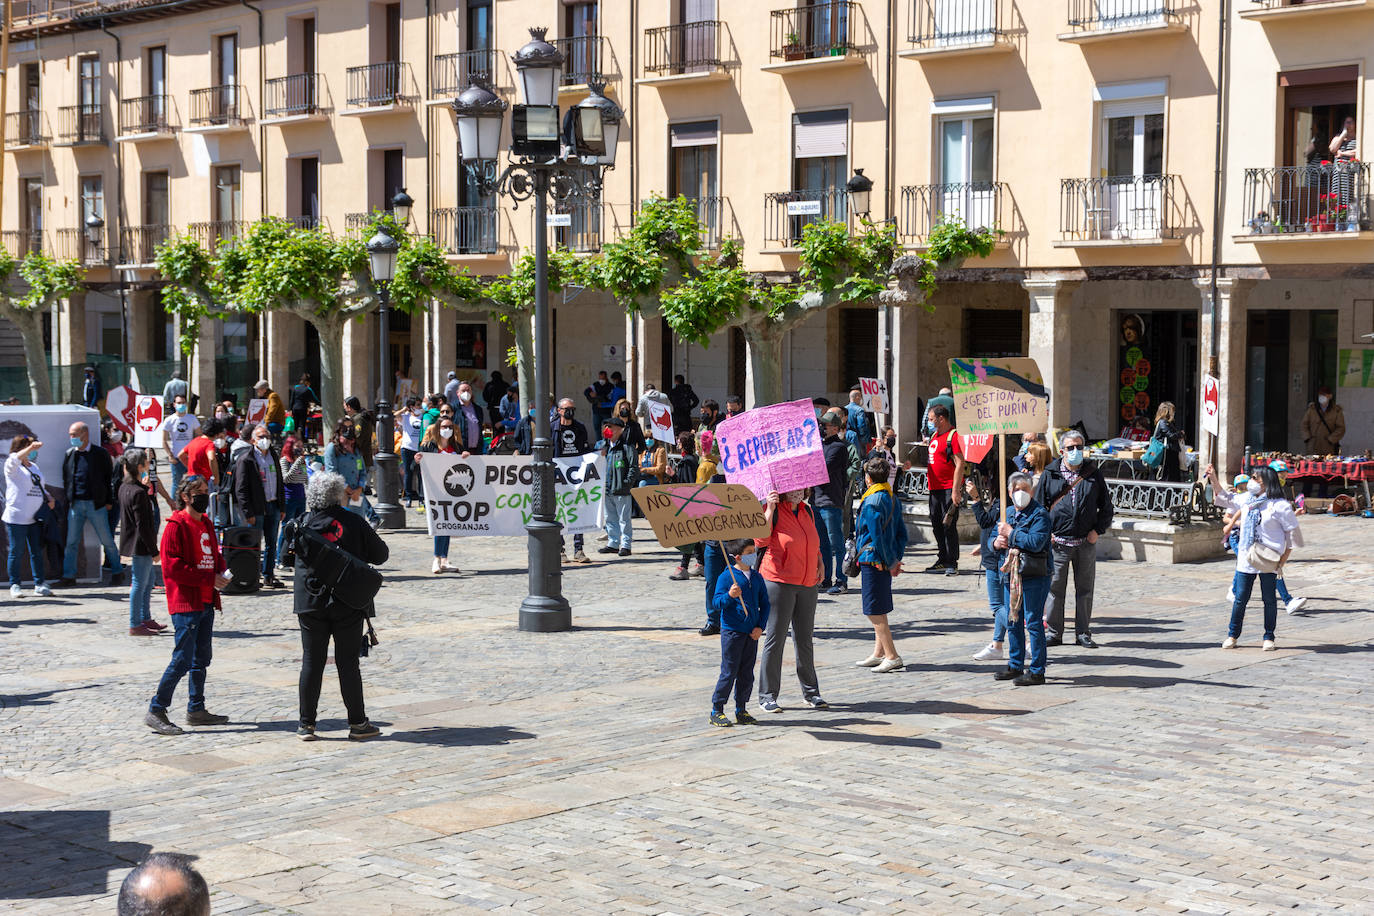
976 446
257 410
777 447
661 419
999 395
148 421
487 496
874 391
119 404
684 513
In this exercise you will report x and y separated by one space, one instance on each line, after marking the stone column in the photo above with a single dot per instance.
69 330
285 334
651 366
903 387
139 314
202 375
444 330
359 346
1230 370
1051 343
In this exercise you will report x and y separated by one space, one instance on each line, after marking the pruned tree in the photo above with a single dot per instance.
45 281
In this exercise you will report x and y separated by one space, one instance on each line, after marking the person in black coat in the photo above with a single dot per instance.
323 617
684 401
570 438
138 540
1073 490
260 498
88 482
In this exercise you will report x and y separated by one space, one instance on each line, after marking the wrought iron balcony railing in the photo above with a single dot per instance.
24 128
819 30
75 245
1124 208
949 24
378 85
711 215
297 95
787 213
306 222
19 242
978 203
147 114
688 47
466 230
217 106
1321 197
455 72
138 244
1111 15
586 59
80 125
576 224
214 234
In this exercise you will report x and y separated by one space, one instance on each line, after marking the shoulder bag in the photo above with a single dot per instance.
350 581
1154 453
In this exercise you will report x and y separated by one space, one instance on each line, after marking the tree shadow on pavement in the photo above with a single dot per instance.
1124 661
456 736
44 622
61 854
890 740
1145 644
1334 649
12 700
926 708
1138 681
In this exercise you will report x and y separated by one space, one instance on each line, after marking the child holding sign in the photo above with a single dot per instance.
742 603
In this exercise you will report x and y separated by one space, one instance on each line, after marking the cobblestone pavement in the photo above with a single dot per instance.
575 772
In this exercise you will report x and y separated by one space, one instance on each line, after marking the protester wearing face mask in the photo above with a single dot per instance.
1323 428
260 497
467 420
710 416
138 540
87 478
341 457
440 439
634 435
412 431
1172 437
880 538
199 455
177 432
791 568
1025 581
620 467
569 439
1080 510
741 600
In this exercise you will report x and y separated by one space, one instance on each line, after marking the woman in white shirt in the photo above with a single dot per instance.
25 498
1265 518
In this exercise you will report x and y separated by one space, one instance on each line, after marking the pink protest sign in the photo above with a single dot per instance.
777 447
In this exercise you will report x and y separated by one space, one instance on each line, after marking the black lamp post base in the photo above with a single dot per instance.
544 609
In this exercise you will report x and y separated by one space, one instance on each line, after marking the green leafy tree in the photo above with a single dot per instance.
45 281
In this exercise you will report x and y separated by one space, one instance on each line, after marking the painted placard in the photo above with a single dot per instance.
999 395
257 410
1211 405
976 445
486 496
119 404
777 447
148 421
684 513
661 420
874 391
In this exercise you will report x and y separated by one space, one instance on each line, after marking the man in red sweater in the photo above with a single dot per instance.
193 571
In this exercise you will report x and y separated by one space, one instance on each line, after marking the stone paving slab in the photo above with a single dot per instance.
574 772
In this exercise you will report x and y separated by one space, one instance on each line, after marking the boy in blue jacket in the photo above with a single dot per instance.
742 603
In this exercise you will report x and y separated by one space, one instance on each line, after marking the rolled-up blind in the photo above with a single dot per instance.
693 133
820 133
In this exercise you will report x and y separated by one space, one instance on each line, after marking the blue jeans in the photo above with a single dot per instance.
178 472
997 600
81 512
269 523
441 545
140 590
1282 590
295 508
411 475
831 530
26 535
738 652
1244 584
618 512
1033 595
713 561
191 652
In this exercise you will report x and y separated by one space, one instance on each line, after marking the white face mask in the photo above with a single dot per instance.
1323 400
220 442
1254 487
446 432
465 396
262 444
116 435
1020 499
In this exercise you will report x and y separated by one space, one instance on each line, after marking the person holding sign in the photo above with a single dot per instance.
741 598
1023 552
440 439
791 569
945 472
620 480
880 539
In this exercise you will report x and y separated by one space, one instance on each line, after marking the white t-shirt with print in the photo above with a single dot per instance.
181 429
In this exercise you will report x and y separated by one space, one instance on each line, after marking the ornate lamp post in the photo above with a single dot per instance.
381 252
860 188
567 162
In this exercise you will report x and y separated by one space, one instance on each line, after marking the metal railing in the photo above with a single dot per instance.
711 216
978 203
466 230
78 125
357 222
1107 15
377 85
138 244
819 30
1121 208
211 235
216 106
24 128
787 213
912 485
952 23
584 234
1286 4
1321 197
455 72
586 59
147 114
293 96
688 47
19 242
74 245
1180 503
306 222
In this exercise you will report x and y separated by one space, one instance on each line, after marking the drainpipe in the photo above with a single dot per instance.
262 171
119 184
1218 183
432 312
889 193
635 319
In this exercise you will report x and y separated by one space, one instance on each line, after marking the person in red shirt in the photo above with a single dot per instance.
791 568
199 454
193 571
945 473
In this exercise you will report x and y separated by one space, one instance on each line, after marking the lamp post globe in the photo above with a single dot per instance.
381 254
611 117
481 114
95 228
540 68
860 188
400 207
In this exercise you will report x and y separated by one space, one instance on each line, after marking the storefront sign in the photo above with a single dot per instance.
684 513
493 497
999 395
777 447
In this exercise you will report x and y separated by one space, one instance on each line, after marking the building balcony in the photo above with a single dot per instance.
979 204
949 28
148 117
712 215
75 245
1118 211
787 213
466 230
138 244
25 130
1106 20
80 125
296 98
576 224
820 35
1278 11
1312 202
689 52
380 89
307 222
218 109
215 234
452 73
357 223
21 242
587 59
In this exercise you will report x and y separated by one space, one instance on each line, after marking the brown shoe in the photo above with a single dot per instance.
142 630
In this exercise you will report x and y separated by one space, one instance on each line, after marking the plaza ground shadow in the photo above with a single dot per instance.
61 854
927 708
40 698
889 740
457 736
44 622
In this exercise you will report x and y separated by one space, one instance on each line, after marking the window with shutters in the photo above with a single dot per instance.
693 172
859 356
820 167
993 333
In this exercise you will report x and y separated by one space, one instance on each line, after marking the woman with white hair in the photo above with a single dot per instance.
1024 561
322 616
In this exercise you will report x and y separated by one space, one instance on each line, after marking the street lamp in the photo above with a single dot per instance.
400 207
381 253
567 163
860 188
95 227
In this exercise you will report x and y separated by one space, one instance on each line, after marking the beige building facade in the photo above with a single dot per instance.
1084 130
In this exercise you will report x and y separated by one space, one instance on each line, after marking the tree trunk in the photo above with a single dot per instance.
522 326
765 363
30 325
330 329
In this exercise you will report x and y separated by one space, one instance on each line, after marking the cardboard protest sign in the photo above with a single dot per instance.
493 497
999 395
874 392
148 421
777 447
684 513
119 404
976 446
661 419
257 410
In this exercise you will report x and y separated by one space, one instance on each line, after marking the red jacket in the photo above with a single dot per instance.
190 561
794 547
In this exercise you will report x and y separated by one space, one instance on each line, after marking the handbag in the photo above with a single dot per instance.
351 582
1263 558
1035 565
1154 454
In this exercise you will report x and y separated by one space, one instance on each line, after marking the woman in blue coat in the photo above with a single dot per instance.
880 538
1026 530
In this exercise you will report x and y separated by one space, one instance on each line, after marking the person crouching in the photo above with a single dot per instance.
741 600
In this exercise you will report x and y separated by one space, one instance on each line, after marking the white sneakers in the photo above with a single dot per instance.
42 591
17 592
872 661
1230 643
890 664
1269 646
991 650
1294 605
436 568
441 566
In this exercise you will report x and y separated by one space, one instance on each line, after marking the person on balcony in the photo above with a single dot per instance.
1343 146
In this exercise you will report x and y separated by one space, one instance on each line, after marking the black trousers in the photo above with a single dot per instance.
347 631
946 536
